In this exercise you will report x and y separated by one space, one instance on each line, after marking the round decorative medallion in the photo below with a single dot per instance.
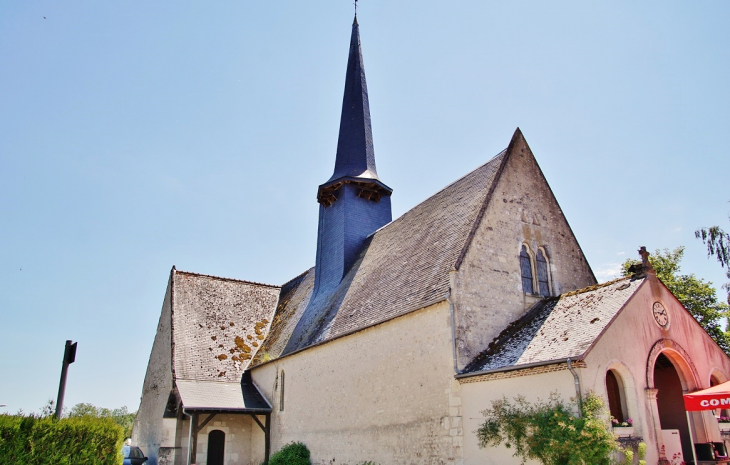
660 314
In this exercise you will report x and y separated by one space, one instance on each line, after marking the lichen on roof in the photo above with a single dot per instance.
218 325
557 327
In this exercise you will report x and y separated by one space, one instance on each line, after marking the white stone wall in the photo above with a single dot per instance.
384 394
237 429
149 433
487 288
477 397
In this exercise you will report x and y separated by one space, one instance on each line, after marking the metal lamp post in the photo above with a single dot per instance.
69 356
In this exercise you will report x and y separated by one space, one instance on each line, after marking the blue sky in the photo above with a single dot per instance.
135 136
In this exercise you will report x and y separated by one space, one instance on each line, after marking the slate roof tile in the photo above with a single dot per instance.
404 267
217 325
557 328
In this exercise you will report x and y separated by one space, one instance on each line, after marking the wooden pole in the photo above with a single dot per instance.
267 439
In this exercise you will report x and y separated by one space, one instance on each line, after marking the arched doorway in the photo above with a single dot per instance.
670 402
216 447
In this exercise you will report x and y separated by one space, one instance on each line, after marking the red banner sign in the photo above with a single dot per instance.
716 397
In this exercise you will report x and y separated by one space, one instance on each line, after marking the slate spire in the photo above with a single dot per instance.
355 154
354 203
355 159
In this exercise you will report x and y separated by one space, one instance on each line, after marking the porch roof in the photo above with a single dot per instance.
221 396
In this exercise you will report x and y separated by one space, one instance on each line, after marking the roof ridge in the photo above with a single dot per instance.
226 279
437 193
593 287
297 276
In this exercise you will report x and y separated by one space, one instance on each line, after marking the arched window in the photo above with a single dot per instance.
281 393
543 281
616 398
526 270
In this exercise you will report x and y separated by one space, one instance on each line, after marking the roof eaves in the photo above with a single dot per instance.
371 325
518 367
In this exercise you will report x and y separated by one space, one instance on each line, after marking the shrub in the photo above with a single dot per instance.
294 453
549 431
45 441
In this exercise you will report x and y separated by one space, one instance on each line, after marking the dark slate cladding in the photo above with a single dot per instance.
353 203
557 328
355 154
252 398
403 267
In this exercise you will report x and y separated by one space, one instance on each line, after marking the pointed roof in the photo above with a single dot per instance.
355 154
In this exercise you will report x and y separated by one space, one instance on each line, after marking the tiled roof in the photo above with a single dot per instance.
217 325
404 267
215 395
557 328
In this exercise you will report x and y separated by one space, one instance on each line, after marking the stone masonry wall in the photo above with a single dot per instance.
384 394
487 288
149 431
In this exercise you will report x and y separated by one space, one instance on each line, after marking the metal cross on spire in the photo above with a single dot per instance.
355 7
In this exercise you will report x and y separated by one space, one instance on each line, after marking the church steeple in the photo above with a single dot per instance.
355 155
354 203
355 159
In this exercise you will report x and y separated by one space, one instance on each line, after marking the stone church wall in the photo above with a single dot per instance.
384 394
237 429
487 288
149 431
478 396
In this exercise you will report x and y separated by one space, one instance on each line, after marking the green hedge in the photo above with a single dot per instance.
70 441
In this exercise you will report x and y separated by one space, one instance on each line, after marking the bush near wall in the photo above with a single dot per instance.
294 453
70 441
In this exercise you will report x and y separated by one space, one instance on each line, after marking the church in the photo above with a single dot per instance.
404 331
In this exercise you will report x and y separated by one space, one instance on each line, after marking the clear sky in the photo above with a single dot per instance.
138 135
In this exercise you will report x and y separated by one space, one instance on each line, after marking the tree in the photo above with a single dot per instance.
120 416
718 244
697 295
549 431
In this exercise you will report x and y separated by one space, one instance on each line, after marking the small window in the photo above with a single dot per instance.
543 283
615 391
526 269
281 393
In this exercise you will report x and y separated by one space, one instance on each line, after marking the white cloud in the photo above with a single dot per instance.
607 272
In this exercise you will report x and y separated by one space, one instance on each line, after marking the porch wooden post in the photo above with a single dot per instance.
267 439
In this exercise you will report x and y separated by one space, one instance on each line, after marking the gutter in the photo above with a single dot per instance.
453 332
514 368
190 437
576 381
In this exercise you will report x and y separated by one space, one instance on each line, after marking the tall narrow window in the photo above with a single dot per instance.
281 393
526 269
614 389
543 283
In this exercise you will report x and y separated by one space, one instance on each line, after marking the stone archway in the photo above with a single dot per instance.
669 374
670 403
681 360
